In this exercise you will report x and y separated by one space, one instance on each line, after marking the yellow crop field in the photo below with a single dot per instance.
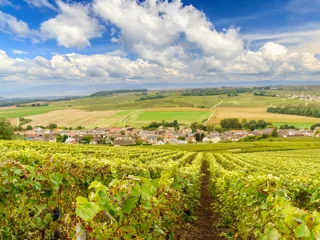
74 118
256 113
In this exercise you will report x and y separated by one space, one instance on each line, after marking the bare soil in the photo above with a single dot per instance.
204 227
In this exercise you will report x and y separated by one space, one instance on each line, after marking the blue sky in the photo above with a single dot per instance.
118 41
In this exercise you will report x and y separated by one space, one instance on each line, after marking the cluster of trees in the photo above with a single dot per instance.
197 126
253 124
264 93
106 93
230 123
149 97
208 127
6 130
313 127
33 105
234 123
257 138
286 126
155 125
301 110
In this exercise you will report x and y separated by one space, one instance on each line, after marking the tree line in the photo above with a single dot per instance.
149 97
33 105
106 93
301 110
214 91
264 94
156 125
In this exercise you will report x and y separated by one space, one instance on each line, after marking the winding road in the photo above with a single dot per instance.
212 110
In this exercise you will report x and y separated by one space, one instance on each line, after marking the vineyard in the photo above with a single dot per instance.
56 191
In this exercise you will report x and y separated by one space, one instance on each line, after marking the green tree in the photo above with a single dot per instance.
19 128
274 133
29 128
86 139
200 126
210 127
61 139
194 126
6 130
52 126
230 123
199 136
244 123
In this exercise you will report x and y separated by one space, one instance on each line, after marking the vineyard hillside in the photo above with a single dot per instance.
58 191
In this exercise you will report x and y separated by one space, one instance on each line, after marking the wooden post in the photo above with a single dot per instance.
80 233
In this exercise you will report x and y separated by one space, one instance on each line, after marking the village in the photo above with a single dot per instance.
303 97
128 136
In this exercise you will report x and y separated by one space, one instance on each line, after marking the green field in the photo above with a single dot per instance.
298 125
183 117
25 111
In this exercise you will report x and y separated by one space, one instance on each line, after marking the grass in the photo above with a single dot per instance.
172 115
298 125
24 112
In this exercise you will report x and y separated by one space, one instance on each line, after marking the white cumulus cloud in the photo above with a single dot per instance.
72 27
18 28
40 4
169 41
15 51
153 28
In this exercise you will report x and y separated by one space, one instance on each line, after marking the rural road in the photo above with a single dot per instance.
212 109
134 114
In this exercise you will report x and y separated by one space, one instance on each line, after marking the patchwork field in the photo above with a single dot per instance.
123 109
135 118
256 113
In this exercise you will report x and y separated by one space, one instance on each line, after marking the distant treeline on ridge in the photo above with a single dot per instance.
231 91
105 93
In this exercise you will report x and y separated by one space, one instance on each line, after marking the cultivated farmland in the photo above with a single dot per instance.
76 117
255 113
137 118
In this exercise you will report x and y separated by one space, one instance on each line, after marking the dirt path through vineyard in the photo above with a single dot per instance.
203 227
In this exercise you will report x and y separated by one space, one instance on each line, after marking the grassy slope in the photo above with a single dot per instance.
25 111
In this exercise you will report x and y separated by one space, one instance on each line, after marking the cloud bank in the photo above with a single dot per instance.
170 41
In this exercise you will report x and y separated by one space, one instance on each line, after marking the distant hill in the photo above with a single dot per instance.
66 90
106 93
